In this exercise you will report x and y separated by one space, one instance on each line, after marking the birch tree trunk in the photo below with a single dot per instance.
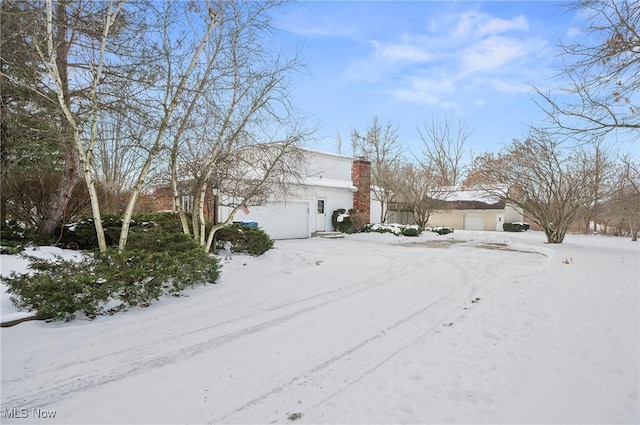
54 64
172 99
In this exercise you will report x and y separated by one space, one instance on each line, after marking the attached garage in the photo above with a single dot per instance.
281 220
473 221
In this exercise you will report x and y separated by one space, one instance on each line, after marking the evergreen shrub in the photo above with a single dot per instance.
344 226
442 230
515 227
82 233
159 264
411 231
250 240
396 229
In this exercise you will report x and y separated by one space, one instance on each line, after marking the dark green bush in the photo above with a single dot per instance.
10 247
59 289
15 231
442 230
515 227
344 226
82 233
411 231
167 221
14 237
251 240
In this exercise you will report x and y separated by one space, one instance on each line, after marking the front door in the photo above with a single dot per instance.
499 222
321 216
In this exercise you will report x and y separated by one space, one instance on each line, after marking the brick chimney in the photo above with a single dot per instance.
361 178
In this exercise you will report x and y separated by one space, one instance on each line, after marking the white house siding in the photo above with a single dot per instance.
328 177
375 210
335 198
328 166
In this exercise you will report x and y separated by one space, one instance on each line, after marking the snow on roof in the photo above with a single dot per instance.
335 183
331 154
473 195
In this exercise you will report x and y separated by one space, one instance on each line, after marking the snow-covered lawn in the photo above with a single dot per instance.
471 327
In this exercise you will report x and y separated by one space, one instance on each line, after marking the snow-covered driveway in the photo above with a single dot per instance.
471 327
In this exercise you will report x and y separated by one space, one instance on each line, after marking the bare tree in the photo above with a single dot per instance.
258 173
423 191
439 169
54 54
382 146
601 73
443 150
237 105
118 156
549 180
623 207
177 89
600 159
85 50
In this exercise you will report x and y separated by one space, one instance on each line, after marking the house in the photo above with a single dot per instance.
330 182
463 209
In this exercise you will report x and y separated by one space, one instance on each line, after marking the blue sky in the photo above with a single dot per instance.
411 61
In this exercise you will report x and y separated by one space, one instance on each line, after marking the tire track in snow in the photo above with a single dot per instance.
134 353
352 364
82 380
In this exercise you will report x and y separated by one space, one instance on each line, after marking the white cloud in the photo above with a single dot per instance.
475 24
428 91
324 29
401 52
492 53
510 86
389 58
499 26
458 61
573 32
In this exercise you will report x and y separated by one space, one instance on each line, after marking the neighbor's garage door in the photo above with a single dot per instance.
473 222
282 220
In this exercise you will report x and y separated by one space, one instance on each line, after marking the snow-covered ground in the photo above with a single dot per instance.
471 327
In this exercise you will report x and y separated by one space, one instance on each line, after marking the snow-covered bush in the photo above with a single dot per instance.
59 289
396 229
442 230
341 221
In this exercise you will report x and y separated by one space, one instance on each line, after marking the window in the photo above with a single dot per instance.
186 202
320 206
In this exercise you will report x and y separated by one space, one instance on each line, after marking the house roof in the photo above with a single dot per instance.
473 195
334 155
335 183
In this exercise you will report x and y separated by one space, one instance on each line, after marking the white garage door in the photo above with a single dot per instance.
473 222
282 220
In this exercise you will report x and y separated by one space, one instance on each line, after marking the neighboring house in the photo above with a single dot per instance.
330 182
463 209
